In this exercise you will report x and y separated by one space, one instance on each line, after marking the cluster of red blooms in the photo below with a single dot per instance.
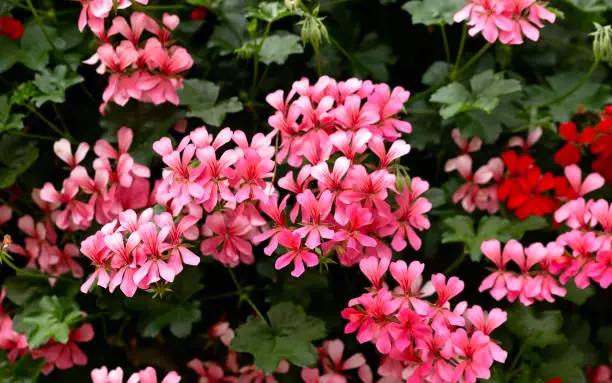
148 71
599 138
231 371
423 341
11 28
506 20
60 355
118 184
590 257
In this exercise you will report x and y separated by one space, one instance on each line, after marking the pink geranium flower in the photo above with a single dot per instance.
296 254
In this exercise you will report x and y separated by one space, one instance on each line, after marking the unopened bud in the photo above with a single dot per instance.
292 4
602 43
314 31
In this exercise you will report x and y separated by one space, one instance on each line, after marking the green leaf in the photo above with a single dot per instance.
461 229
592 5
430 12
455 97
436 197
53 84
567 364
34 46
178 317
215 114
288 337
476 123
23 370
49 317
604 335
10 53
577 295
436 73
201 97
198 92
486 88
9 121
278 48
538 329
531 223
22 289
269 11
16 156
374 58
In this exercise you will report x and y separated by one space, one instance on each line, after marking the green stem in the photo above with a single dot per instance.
347 55
245 296
425 93
30 135
21 272
578 86
471 62
49 123
421 111
445 41
460 52
261 80
40 23
318 60
455 264
59 117
256 59
517 357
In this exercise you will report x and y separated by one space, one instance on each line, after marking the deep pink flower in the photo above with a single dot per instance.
64 356
409 216
253 170
351 143
228 242
315 213
95 249
296 254
375 269
351 115
475 354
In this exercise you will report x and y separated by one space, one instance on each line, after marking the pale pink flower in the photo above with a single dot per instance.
351 143
63 150
468 192
375 269
497 280
398 149
334 180
532 137
471 146
95 249
6 213
592 182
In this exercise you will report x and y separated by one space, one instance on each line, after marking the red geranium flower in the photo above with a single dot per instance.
570 152
198 13
602 147
11 28
554 380
528 198
517 167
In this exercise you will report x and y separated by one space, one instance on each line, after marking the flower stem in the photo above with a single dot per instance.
445 41
471 62
460 52
256 59
30 135
455 264
245 296
49 123
24 273
575 88
40 23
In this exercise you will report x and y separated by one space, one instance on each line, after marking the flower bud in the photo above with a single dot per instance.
602 43
292 4
313 30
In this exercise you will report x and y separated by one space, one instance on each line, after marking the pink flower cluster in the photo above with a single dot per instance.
148 375
148 71
60 355
350 210
135 252
589 256
94 12
231 371
528 284
334 368
118 184
506 20
477 191
423 341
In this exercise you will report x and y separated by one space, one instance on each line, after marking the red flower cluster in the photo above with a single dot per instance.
524 186
599 138
11 28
